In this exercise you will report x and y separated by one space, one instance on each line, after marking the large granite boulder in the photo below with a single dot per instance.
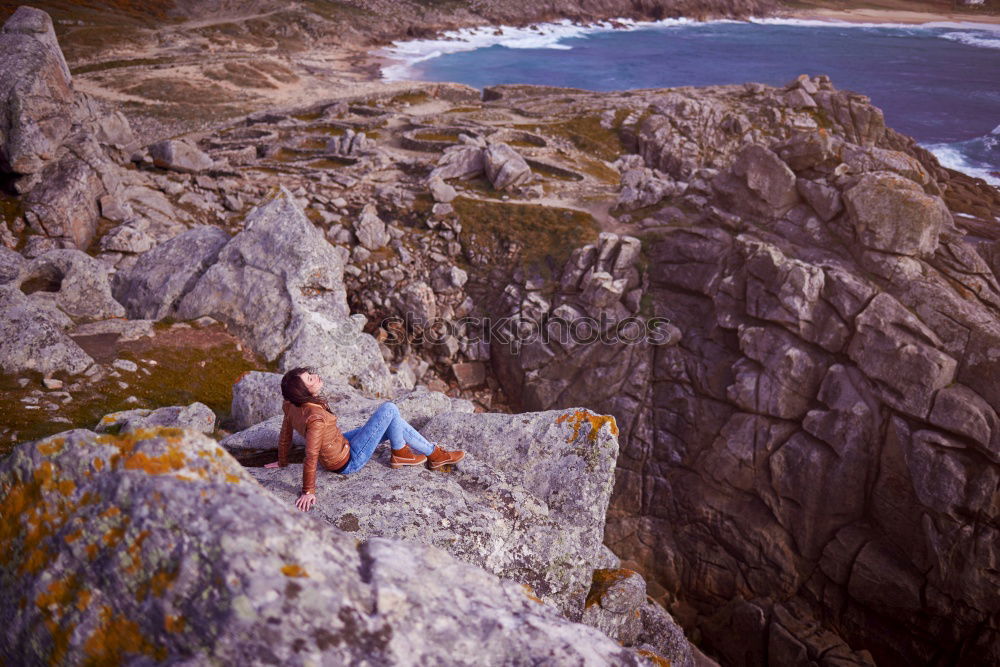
505 167
73 281
35 109
278 284
893 214
179 155
63 205
197 416
527 502
758 183
152 287
158 546
463 161
33 336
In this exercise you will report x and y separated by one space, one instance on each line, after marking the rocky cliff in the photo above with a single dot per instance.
790 310
818 449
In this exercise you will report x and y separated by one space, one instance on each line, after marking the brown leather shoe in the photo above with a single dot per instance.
442 457
404 456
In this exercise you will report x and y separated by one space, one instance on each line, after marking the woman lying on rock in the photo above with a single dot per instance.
307 412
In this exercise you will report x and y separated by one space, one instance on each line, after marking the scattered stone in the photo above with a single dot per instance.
469 374
441 191
178 155
370 229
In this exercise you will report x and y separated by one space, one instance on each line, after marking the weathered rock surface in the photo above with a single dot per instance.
180 156
370 229
505 167
152 287
798 470
197 417
73 281
64 203
460 161
892 213
159 546
37 92
33 338
538 523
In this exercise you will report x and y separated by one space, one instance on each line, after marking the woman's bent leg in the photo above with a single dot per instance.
400 429
365 439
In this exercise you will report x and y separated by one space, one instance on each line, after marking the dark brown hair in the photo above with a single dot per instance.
294 390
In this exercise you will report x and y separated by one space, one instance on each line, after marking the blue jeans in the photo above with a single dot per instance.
385 423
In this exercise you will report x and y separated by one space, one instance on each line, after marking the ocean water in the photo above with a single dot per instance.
938 82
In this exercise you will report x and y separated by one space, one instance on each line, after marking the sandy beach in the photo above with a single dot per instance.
889 12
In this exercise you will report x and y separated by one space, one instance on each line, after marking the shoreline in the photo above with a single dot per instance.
875 15
383 58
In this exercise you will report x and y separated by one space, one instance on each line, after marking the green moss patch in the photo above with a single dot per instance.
539 231
589 136
192 364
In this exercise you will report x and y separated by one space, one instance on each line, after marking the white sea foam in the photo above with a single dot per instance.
404 55
972 39
838 23
953 158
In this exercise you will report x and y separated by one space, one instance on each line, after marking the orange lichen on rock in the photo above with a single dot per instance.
116 638
293 570
114 535
174 459
232 479
59 593
135 552
654 658
51 446
54 603
530 592
157 585
580 417
33 514
602 581
173 623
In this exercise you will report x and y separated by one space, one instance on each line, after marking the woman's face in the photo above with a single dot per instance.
312 381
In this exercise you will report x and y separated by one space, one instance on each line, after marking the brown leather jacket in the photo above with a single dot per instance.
324 440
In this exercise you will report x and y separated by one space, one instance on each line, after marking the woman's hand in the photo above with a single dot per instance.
273 464
305 501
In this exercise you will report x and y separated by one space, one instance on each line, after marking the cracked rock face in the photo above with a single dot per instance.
527 503
160 546
37 90
152 287
812 467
